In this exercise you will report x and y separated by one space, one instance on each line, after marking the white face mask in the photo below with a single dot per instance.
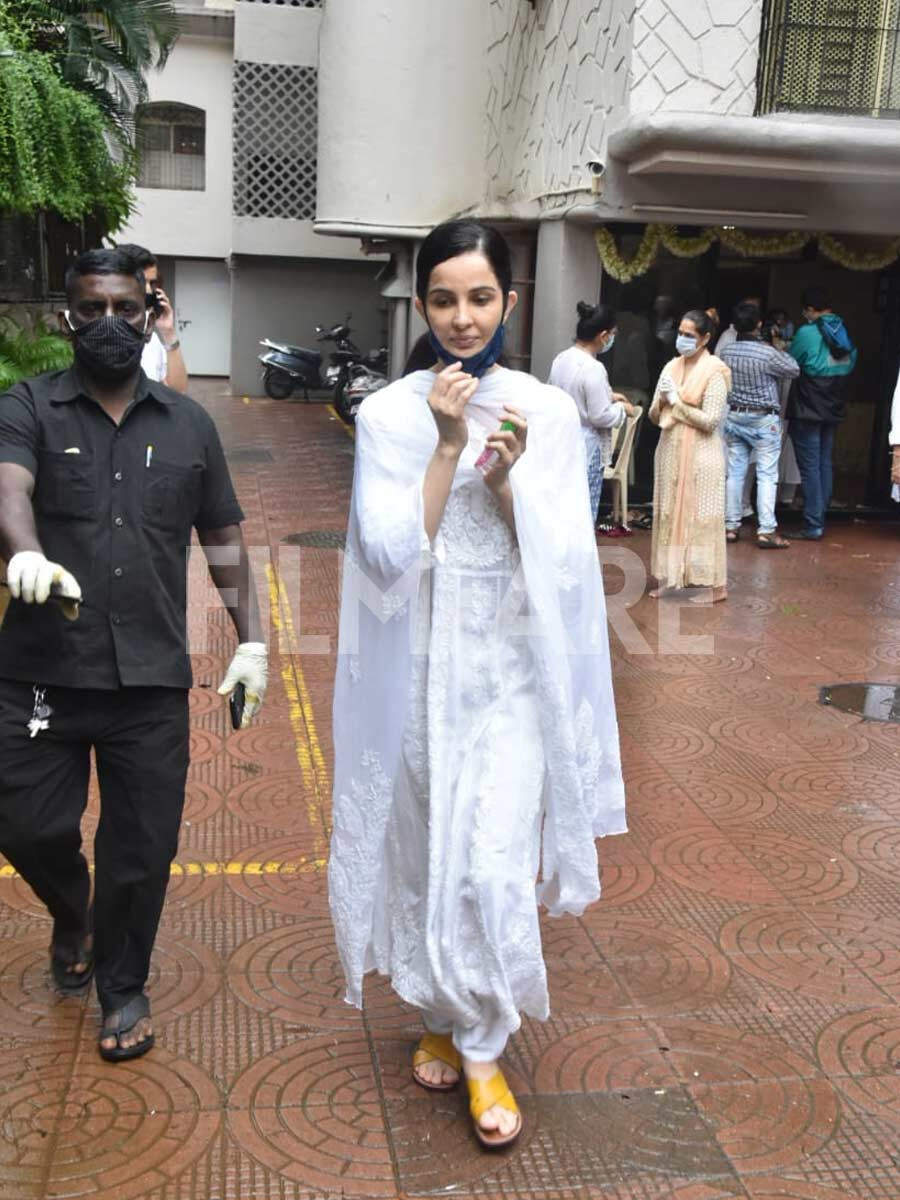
686 344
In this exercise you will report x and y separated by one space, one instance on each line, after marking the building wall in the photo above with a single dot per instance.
186 223
695 58
284 299
565 73
276 54
558 76
402 94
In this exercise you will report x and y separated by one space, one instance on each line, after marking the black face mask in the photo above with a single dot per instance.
108 348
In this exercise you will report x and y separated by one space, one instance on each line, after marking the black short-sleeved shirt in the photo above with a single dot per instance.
115 505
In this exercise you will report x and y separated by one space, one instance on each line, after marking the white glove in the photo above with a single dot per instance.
250 666
30 577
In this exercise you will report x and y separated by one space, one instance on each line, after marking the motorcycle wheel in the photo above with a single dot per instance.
341 404
278 383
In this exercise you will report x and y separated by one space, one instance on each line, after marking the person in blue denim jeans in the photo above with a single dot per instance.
817 406
753 425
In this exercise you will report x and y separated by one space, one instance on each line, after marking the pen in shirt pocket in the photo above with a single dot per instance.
149 457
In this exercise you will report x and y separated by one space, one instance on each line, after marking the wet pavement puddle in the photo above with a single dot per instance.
872 701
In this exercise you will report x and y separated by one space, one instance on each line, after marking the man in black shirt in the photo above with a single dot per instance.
103 474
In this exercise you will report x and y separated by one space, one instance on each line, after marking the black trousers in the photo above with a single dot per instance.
140 738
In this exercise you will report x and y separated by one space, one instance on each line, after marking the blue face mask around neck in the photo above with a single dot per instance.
479 363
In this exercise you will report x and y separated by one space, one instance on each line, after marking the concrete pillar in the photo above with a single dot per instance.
402 96
568 270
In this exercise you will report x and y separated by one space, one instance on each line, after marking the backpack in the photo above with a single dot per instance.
835 336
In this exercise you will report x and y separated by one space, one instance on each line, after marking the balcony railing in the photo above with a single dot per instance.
830 56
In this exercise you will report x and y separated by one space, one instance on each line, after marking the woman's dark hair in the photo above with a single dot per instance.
421 357
463 237
704 322
593 319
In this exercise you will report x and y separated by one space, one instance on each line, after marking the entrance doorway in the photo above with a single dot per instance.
203 309
649 307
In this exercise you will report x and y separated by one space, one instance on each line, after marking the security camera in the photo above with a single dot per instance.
598 171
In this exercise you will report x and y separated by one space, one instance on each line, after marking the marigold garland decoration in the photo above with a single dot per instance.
738 240
767 246
871 260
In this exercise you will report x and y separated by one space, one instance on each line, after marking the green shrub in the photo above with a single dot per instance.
26 351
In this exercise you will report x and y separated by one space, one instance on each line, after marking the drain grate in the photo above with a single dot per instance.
249 454
321 539
873 701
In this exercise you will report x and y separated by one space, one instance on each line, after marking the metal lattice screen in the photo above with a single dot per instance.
831 56
275 132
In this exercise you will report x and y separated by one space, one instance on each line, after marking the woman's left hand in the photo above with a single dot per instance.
509 445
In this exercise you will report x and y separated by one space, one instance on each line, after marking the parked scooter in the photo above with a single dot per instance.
362 382
287 368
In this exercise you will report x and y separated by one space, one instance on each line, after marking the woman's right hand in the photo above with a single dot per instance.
665 394
452 391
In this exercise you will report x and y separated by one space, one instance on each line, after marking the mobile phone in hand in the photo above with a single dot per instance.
153 302
236 704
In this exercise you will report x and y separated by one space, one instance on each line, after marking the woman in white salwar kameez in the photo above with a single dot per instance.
475 736
601 410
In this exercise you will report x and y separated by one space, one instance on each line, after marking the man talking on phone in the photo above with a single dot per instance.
162 358
103 474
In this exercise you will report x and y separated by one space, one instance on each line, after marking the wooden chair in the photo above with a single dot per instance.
617 472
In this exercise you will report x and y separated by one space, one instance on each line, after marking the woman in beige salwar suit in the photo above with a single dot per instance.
690 405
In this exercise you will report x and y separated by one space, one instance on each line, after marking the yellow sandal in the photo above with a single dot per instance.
484 1094
436 1047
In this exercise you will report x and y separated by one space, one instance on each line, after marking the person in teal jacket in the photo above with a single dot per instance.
817 404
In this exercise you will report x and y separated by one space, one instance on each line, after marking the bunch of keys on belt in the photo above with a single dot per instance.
40 717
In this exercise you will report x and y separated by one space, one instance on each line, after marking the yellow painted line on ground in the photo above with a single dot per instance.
302 866
300 708
295 707
348 429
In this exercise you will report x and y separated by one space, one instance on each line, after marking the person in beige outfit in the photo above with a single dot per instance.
691 400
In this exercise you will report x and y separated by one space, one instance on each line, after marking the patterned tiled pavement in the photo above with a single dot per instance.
725 1022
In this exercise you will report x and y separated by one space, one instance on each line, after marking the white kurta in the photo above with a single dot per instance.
473 709
456 924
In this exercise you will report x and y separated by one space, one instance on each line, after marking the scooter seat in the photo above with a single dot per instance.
300 352
303 352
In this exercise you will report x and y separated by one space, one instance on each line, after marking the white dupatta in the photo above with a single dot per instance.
556 600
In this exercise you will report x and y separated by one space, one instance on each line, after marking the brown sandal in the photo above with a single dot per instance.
771 541
732 535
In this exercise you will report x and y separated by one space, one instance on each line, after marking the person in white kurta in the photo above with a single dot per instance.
475 736
577 371
473 702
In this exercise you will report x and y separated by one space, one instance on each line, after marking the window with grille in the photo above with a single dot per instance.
839 56
171 142
275 132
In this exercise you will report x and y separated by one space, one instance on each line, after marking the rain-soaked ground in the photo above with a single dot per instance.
725 1022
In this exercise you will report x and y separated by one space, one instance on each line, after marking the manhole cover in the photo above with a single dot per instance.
321 539
249 455
874 701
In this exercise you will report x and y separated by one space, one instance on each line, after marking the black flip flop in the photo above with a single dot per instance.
65 952
123 1020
